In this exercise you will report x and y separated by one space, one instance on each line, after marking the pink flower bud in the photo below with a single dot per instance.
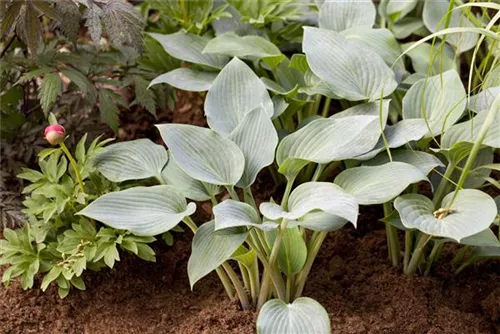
54 134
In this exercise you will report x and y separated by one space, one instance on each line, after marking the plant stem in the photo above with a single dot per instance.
460 255
417 254
254 281
317 172
289 287
408 248
233 193
436 251
245 276
73 164
392 237
240 290
248 198
326 107
494 109
443 185
225 282
288 190
312 251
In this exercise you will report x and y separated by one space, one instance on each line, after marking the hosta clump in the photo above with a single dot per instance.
54 242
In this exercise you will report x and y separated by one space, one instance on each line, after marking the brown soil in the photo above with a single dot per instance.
351 279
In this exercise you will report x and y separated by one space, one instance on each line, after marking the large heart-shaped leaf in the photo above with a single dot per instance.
189 47
321 221
440 100
186 79
236 91
399 134
191 188
352 70
344 136
141 210
341 15
483 100
310 196
468 132
257 138
230 44
434 20
422 160
212 248
472 211
421 58
204 154
383 42
232 213
304 315
484 238
132 160
397 9
378 184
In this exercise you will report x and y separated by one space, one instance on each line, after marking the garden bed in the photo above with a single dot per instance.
352 278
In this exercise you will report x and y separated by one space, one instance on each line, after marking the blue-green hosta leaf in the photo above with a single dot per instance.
257 138
472 211
352 70
381 41
468 132
321 221
346 135
236 91
310 196
212 248
441 100
406 27
304 315
132 160
191 188
251 47
399 134
434 11
186 79
484 238
141 210
422 160
397 9
232 213
204 154
189 47
293 250
341 15
421 58
477 175
379 184
483 100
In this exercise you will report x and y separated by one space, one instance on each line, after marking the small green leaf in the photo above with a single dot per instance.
49 90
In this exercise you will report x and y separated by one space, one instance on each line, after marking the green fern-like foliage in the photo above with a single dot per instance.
118 19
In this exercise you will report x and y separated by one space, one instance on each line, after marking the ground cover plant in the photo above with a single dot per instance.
411 131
